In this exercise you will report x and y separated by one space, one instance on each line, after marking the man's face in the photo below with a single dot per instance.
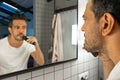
91 27
18 29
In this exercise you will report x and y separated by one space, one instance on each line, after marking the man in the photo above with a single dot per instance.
102 34
14 51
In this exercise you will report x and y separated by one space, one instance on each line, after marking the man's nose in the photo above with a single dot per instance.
21 30
82 28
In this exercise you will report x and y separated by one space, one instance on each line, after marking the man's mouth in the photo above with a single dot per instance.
21 35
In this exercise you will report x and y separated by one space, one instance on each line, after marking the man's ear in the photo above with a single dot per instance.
9 29
107 24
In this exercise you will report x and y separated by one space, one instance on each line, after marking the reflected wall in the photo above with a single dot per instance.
44 30
69 22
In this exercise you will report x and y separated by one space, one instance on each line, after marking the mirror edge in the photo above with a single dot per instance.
47 65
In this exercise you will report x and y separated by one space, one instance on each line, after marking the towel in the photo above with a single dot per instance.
58 43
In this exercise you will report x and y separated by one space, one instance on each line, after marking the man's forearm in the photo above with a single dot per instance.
39 55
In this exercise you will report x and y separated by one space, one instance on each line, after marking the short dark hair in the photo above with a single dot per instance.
17 17
106 6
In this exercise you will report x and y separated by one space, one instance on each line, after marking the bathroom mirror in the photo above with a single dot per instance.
42 21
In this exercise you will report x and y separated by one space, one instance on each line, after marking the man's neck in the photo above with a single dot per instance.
14 43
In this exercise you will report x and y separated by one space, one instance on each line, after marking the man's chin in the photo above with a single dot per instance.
95 54
86 49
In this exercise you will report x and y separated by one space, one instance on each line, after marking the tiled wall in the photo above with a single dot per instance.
43 21
64 71
3 31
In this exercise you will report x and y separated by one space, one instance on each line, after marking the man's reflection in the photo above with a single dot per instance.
14 51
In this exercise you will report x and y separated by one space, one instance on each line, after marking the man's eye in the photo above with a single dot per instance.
24 27
17 27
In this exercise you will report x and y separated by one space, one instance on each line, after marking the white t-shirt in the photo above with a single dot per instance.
115 73
14 59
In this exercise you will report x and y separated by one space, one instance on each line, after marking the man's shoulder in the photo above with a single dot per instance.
114 75
3 39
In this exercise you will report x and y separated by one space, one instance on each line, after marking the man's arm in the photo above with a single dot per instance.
37 55
108 64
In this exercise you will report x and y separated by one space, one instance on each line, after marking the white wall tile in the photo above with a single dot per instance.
80 68
58 67
24 76
74 70
75 77
74 62
49 76
38 78
86 66
80 57
11 78
91 73
68 79
49 69
67 64
37 72
67 72
59 75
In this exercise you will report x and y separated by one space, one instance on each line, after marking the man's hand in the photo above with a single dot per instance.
32 40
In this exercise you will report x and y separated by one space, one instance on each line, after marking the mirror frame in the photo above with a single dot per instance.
50 64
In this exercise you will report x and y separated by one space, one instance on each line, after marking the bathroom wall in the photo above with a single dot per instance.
64 71
3 31
44 11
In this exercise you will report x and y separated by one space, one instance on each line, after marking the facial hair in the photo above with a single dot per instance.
18 39
94 44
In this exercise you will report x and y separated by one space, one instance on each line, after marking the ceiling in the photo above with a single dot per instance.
10 7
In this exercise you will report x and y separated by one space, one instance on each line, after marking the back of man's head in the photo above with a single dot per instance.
106 6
